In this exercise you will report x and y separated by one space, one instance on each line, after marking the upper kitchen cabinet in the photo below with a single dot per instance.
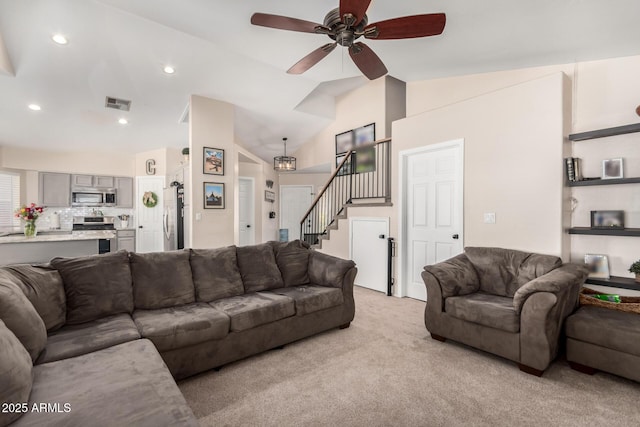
92 181
54 189
124 192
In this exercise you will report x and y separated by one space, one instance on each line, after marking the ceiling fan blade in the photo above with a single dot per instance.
407 27
283 23
312 59
368 62
357 8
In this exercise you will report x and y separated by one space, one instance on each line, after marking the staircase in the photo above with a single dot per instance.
363 178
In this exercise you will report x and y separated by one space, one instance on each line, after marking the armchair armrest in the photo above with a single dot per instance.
564 282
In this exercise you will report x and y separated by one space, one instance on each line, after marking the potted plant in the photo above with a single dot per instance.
635 268
185 154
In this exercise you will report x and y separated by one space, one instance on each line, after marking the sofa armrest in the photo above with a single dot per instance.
330 271
564 282
455 276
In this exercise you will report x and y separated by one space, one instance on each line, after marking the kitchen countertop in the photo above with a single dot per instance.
59 236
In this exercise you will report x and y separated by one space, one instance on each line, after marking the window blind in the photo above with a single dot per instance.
9 199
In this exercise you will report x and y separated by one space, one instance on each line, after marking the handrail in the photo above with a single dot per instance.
333 175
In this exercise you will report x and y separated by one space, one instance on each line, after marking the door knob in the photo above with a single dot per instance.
139 226
455 237
381 236
248 226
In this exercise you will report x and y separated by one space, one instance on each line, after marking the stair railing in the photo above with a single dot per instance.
364 173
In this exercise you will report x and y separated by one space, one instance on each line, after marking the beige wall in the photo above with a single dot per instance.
316 180
211 125
167 161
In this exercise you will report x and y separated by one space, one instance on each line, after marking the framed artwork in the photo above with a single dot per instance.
213 161
612 169
213 195
344 142
365 160
269 196
607 219
598 266
365 134
347 168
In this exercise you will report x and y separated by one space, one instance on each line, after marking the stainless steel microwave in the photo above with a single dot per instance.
93 197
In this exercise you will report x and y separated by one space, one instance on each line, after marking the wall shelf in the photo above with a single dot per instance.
616 282
606 232
589 182
601 133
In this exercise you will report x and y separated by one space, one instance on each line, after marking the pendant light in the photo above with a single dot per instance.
284 163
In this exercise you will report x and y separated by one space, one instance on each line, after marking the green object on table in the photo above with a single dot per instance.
608 297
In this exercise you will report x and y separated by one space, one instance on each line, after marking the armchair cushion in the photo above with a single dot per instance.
456 276
485 309
503 271
555 281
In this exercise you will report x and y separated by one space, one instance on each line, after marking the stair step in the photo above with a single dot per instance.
367 204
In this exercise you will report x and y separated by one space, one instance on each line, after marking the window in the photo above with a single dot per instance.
9 199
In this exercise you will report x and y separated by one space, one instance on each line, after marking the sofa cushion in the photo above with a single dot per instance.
162 279
310 298
15 374
503 271
255 309
177 327
21 318
327 270
96 286
485 309
75 340
215 273
456 276
607 328
292 259
124 385
42 285
258 268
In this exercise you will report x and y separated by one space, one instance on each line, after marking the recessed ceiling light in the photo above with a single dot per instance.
60 39
35 107
123 121
169 69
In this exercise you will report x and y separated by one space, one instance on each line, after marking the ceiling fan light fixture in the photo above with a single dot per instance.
284 163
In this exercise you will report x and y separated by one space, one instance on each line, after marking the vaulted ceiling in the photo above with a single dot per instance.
119 48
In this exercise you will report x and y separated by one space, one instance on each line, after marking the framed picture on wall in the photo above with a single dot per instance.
213 195
364 135
344 142
269 196
612 169
213 161
347 168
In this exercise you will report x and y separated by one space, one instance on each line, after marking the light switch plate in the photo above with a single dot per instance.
198 216
490 218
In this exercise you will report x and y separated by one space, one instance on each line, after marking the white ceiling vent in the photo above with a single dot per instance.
117 104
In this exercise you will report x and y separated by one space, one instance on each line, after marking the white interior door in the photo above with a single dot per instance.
368 249
246 211
433 207
295 201
150 235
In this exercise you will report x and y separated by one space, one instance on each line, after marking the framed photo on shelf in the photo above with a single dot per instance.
607 219
598 266
213 161
365 134
344 142
612 169
213 195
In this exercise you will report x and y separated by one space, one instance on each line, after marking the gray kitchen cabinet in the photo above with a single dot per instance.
92 181
54 189
126 239
124 192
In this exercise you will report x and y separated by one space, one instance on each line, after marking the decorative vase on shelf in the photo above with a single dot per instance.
30 229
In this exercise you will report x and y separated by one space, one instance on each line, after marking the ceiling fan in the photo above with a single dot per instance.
348 23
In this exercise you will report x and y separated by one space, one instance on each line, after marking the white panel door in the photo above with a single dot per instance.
246 211
150 235
368 249
295 201
433 209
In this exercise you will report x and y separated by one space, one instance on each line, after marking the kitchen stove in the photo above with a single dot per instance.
99 225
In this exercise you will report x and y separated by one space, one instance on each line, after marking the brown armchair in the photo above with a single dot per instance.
503 301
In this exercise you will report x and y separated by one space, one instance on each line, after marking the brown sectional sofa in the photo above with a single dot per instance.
100 339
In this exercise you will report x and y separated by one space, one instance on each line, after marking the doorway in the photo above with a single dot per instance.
368 249
246 211
431 211
150 235
295 201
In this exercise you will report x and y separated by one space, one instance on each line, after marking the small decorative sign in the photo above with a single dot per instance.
150 167
269 196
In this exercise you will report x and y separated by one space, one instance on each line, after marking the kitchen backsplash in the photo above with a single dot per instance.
67 214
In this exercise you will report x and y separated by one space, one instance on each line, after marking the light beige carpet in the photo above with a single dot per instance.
385 370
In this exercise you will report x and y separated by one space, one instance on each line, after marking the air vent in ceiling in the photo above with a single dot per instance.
117 104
